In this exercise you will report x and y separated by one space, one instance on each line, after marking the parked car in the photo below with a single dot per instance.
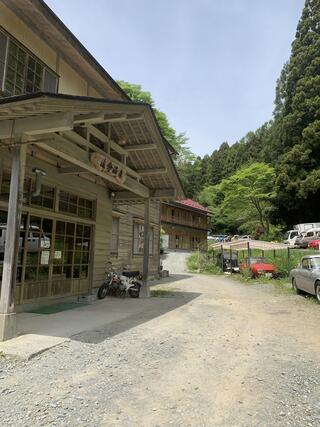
258 266
306 277
314 244
290 237
304 238
36 239
245 237
227 262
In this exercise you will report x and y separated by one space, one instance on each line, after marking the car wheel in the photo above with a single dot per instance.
295 287
317 289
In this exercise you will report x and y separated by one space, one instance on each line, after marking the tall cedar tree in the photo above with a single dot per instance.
296 133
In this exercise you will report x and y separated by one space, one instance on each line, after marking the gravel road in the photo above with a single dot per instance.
222 354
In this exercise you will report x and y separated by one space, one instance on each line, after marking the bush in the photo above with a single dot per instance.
202 263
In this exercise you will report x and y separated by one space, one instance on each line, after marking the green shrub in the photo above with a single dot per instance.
203 263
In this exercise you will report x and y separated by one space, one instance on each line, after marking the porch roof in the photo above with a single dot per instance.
126 133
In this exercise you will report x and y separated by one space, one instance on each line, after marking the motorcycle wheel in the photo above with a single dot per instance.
134 292
103 291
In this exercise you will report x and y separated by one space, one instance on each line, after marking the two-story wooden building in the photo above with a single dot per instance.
82 168
185 225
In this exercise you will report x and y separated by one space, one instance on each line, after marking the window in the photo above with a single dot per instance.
39 241
21 72
45 198
75 205
71 250
177 241
115 235
151 241
138 237
305 263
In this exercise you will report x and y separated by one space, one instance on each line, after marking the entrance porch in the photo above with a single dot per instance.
65 162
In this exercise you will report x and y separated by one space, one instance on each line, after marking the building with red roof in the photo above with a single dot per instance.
185 224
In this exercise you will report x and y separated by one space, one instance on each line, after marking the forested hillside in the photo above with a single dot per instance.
290 142
271 177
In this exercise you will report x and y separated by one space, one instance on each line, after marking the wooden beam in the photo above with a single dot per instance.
119 118
46 123
71 170
152 171
124 118
103 138
140 147
164 193
89 118
75 137
145 291
7 315
160 193
79 157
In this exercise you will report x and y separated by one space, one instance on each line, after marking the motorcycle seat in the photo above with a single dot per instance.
131 273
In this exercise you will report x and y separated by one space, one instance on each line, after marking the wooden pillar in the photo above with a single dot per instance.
7 315
145 291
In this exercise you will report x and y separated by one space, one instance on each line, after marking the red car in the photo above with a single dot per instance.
258 266
314 244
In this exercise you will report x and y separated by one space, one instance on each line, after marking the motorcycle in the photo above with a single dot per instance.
127 283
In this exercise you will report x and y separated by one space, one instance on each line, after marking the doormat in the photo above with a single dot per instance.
51 309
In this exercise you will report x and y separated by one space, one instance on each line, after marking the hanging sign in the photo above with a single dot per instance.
103 164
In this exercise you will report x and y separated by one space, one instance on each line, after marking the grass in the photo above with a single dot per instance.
162 293
206 263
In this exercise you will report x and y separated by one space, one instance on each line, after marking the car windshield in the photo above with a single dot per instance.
315 263
257 260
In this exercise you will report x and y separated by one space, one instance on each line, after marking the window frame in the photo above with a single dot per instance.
115 219
28 54
77 205
141 236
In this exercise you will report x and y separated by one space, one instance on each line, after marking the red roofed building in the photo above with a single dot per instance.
185 224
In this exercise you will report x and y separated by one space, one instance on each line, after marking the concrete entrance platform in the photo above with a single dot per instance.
28 346
39 332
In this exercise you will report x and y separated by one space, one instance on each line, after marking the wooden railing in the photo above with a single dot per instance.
182 221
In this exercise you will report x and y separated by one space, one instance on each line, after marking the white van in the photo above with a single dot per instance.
290 237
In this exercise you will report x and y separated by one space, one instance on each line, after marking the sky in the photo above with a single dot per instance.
210 65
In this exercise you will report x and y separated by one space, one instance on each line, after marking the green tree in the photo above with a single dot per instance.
177 140
296 133
244 200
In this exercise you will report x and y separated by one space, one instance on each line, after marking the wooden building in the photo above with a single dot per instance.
82 168
185 225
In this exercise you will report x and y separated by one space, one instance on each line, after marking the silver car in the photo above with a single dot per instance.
307 276
304 238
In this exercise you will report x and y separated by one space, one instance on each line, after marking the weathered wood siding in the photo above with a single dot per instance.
128 214
100 252
102 239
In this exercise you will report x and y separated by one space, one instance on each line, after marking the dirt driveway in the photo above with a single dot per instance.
218 353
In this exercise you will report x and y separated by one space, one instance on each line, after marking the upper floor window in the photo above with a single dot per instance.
21 72
73 204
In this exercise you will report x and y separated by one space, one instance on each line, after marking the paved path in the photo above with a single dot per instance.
175 261
218 353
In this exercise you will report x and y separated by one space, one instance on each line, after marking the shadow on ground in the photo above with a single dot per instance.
157 307
170 279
